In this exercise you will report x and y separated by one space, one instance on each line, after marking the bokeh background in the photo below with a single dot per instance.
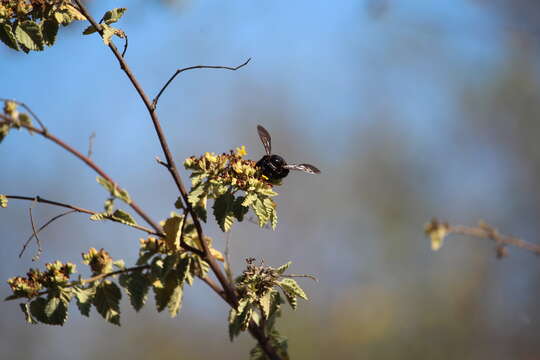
412 109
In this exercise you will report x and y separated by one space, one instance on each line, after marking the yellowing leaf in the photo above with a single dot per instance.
172 229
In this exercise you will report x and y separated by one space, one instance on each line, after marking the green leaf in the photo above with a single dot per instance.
290 286
108 33
4 131
89 30
49 29
184 268
278 342
172 229
136 285
84 297
265 302
169 294
223 211
107 301
113 15
239 209
123 217
115 191
119 264
249 199
179 203
196 194
7 36
37 309
280 270
3 201
56 311
25 307
28 34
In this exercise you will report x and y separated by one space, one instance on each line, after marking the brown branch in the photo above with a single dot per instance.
90 163
438 230
40 249
171 165
154 102
228 288
43 227
29 110
80 210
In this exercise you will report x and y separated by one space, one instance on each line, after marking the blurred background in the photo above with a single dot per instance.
411 109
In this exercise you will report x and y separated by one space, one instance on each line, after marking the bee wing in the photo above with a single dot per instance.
265 138
310 169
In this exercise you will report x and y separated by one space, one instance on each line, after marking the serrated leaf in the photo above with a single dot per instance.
136 285
107 301
8 37
108 33
179 203
124 217
249 199
239 318
290 286
28 34
113 15
196 194
183 268
115 191
119 264
84 297
223 211
169 294
25 307
49 29
3 201
37 310
239 209
291 299
265 302
56 311
278 342
89 30
172 228
280 270
99 216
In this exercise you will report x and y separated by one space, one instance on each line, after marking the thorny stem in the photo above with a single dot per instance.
230 293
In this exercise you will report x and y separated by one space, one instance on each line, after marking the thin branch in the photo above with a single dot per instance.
154 102
171 165
230 293
29 110
438 230
488 232
300 276
90 144
43 227
91 164
78 209
112 273
125 45
40 249
227 260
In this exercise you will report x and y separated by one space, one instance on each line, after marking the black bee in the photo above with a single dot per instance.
274 166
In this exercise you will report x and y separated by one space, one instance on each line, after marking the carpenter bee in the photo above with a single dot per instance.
274 166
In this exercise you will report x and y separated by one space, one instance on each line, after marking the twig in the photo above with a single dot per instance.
29 110
154 102
92 165
300 276
43 227
125 45
486 231
171 165
438 230
40 249
229 291
90 143
227 261
78 209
